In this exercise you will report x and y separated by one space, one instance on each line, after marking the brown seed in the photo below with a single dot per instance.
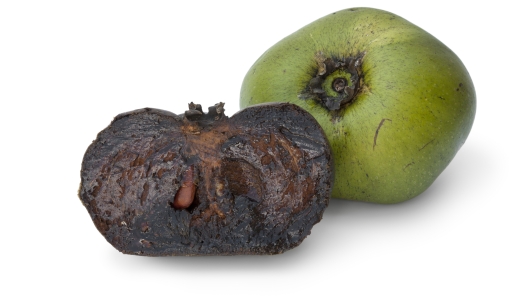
185 195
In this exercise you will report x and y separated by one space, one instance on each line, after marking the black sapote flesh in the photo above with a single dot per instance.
161 184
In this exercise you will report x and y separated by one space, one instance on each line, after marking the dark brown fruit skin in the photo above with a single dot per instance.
263 178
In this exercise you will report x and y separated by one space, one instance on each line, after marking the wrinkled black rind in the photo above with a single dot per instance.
131 173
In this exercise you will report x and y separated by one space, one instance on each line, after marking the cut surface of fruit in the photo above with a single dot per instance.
159 184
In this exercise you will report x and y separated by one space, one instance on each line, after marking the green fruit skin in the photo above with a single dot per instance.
411 79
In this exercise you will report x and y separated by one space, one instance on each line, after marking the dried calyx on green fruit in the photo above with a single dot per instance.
336 82
395 103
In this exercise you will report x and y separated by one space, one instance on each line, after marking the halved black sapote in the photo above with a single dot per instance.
161 184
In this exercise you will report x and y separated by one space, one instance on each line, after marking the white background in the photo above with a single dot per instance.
68 67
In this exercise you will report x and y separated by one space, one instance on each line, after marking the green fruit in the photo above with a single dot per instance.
396 103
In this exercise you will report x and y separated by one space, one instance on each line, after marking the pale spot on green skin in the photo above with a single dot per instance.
409 77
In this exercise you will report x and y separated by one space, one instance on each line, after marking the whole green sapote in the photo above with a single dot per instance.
395 102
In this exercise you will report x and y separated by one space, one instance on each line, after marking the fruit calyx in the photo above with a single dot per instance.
337 81
195 112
